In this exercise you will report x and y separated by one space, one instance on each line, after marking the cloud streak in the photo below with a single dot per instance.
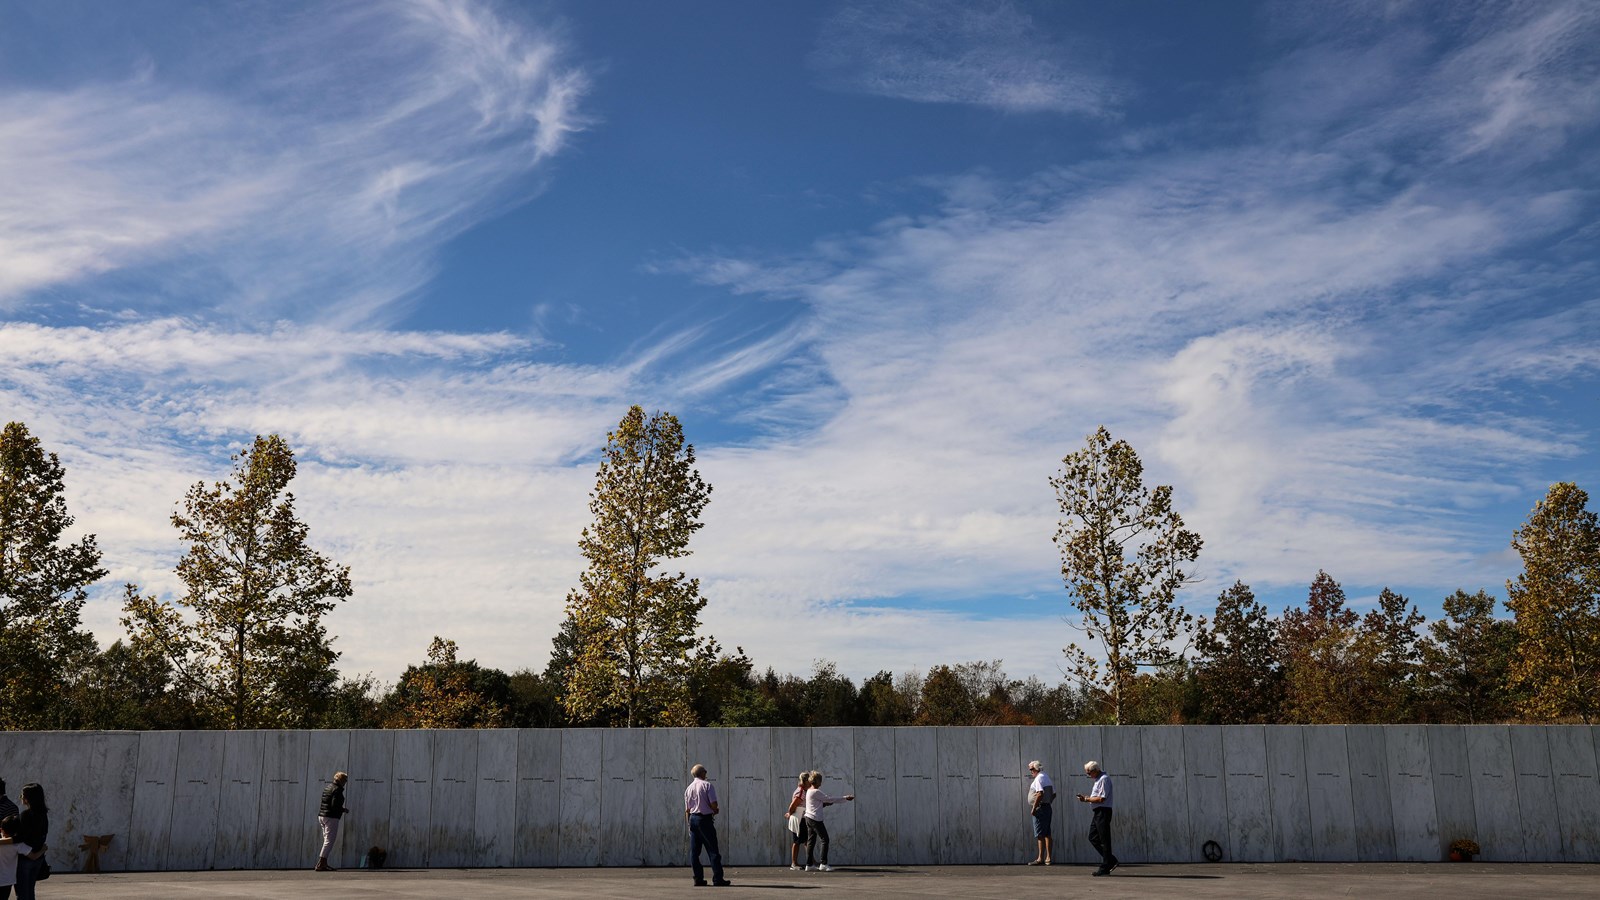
428 115
988 54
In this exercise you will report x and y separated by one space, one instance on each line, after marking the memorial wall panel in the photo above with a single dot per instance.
581 753
196 801
152 800
286 827
1166 795
494 824
958 795
1004 825
1328 789
106 764
1369 793
1286 780
1078 744
1494 793
1207 790
368 794
1244 758
242 755
455 797
1572 769
538 835
1536 793
1123 760
750 825
327 752
877 821
918 836
410 800
1411 794
622 797
835 752
666 775
1452 786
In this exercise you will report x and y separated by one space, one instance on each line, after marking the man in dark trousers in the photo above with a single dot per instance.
329 812
1100 825
700 808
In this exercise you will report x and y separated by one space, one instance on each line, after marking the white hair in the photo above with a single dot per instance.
1091 766
1036 765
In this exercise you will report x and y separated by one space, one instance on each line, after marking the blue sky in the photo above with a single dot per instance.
1330 268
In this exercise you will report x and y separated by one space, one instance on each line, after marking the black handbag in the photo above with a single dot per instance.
44 870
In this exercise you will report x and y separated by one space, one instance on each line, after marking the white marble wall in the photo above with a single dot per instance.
1207 790
577 797
1244 759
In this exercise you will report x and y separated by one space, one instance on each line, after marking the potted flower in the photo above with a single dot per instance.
1463 850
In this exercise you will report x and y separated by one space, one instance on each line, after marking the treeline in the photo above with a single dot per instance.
244 645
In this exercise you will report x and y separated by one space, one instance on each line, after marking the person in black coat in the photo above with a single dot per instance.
329 813
32 827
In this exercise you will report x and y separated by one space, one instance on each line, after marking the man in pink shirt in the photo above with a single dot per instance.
700 809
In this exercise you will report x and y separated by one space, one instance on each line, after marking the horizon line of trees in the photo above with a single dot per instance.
244 646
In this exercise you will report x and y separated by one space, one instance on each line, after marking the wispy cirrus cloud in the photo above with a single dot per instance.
353 141
944 51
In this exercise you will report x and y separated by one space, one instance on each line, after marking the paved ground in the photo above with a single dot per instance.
1455 881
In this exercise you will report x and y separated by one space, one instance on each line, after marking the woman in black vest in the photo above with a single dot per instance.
32 827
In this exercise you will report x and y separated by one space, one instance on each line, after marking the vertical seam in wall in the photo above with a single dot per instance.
1555 792
1305 788
1355 834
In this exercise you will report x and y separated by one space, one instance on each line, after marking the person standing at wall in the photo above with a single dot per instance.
33 825
815 801
329 813
1100 825
700 809
797 821
1041 794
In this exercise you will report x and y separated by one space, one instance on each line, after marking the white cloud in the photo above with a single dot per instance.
946 51
354 142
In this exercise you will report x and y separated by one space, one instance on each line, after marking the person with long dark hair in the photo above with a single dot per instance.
32 827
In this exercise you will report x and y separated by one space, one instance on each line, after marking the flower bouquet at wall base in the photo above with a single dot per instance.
1463 850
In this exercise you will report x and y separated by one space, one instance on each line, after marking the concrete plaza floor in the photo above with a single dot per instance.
1455 881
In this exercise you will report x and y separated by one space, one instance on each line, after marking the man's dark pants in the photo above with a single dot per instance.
703 834
1100 837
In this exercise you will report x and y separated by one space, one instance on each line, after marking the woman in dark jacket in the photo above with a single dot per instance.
32 827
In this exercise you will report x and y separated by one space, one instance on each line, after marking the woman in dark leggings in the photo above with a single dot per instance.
32 827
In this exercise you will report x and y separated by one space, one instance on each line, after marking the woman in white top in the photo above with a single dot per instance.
815 801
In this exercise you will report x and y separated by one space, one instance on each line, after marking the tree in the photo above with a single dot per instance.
1340 667
42 582
447 692
884 703
1128 605
1556 601
1240 681
1466 661
639 624
125 689
1387 657
945 699
252 648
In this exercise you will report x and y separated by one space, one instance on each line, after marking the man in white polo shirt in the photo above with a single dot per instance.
1100 825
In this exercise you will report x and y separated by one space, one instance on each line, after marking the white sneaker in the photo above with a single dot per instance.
797 868
824 868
